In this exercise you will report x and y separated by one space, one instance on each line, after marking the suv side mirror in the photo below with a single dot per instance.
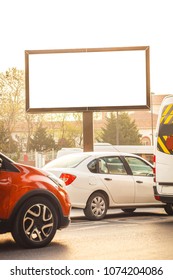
0 162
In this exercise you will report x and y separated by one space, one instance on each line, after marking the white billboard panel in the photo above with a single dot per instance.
87 79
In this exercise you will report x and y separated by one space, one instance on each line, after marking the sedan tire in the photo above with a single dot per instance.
96 207
169 209
128 210
36 223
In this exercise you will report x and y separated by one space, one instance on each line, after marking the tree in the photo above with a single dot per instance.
7 144
120 130
69 130
12 97
41 140
12 105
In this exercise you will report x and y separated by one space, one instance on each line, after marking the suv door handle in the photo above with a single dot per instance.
108 179
139 182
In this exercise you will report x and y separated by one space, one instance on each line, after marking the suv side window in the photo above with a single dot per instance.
7 165
139 167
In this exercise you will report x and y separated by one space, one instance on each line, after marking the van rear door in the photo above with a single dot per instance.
164 145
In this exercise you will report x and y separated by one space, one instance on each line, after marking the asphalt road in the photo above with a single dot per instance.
144 235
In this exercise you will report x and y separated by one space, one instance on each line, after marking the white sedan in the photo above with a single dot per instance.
96 181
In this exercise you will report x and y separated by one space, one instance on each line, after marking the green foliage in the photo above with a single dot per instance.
64 143
120 130
12 97
41 140
7 144
11 100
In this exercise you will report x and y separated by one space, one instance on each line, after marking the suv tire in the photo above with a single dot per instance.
36 223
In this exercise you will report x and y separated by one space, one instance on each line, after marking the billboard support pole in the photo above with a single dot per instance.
88 145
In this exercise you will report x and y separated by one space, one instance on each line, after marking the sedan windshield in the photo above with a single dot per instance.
67 161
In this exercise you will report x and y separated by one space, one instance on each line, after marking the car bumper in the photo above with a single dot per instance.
162 197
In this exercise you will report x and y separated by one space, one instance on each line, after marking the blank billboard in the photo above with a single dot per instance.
94 79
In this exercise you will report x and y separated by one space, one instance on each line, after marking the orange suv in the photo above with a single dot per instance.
33 203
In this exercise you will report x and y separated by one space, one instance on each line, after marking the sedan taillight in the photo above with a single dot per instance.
67 178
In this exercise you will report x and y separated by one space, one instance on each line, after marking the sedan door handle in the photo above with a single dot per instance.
108 179
139 182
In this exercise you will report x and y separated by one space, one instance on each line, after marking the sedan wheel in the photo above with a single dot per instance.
169 209
128 210
36 223
96 207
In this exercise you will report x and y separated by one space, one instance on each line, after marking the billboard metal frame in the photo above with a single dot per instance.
82 50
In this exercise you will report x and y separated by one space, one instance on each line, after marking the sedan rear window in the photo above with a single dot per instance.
67 161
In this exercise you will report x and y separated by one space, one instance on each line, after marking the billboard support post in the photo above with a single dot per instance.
88 145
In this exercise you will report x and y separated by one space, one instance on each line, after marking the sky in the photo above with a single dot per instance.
57 24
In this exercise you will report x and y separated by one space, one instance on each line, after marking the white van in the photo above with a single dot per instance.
163 154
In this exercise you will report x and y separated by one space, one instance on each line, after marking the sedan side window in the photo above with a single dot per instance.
107 165
92 166
103 166
112 165
139 167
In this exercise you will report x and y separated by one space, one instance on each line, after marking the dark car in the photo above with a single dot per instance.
33 203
